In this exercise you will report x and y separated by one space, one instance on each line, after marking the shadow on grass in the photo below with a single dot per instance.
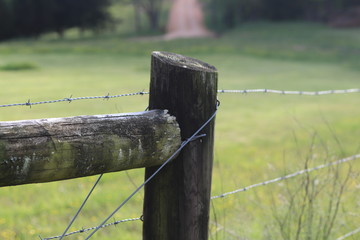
18 66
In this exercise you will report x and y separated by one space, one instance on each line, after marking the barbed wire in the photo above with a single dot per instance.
81 206
233 192
289 176
92 228
71 99
286 92
244 91
349 234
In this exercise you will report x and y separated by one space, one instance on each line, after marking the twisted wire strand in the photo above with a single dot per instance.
349 234
286 92
351 158
70 99
81 206
92 228
244 91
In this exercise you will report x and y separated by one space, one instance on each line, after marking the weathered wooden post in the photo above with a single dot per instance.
176 204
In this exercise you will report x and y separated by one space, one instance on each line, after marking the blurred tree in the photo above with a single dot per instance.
279 10
6 19
92 14
225 14
137 15
152 9
84 14
32 17
64 15
23 18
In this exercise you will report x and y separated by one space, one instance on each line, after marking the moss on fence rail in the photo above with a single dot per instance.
46 150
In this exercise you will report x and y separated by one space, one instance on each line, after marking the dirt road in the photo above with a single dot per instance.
186 20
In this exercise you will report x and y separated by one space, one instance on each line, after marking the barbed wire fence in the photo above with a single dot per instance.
103 224
93 228
278 179
244 189
244 91
287 92
194 136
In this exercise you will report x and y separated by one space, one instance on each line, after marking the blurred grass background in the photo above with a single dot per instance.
258 136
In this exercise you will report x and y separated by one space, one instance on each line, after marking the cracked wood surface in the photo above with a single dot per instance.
44 150
177 200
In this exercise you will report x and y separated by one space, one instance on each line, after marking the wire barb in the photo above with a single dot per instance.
289 176
28 103
107 96
69 98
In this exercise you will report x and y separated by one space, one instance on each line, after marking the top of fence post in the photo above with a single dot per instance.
176 204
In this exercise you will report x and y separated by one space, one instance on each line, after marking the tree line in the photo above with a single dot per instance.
31 18
224 14
24 18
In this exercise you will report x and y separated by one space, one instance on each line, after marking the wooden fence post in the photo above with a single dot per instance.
176 204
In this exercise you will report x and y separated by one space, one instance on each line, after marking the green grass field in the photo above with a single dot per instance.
258 136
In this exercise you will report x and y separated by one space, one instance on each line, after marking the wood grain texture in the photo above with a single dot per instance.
177 200
45 150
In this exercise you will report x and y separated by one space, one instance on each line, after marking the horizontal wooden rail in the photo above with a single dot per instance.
44 150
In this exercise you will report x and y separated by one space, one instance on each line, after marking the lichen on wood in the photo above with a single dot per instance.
177 200
44 150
